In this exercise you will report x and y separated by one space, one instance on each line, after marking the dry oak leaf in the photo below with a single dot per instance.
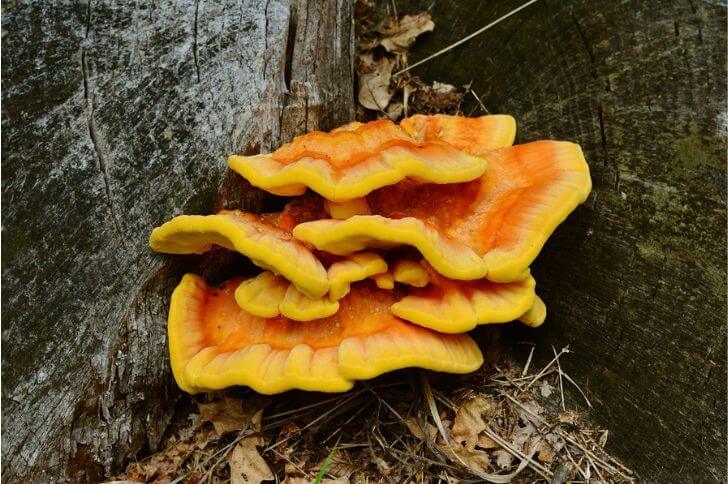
374 79
246 463
469 420
229 415
400 35
475 460
415 428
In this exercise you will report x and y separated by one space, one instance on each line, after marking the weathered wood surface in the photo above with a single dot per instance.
116 117
635 280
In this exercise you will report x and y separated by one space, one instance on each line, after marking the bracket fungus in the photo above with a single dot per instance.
327 310
473 135
267 246
491 227
536 315
215 344
268 295
351 161
409 272
451 306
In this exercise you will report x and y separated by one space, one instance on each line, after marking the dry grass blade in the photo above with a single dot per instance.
530 354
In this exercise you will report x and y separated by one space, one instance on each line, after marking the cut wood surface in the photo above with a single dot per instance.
635 280
115 118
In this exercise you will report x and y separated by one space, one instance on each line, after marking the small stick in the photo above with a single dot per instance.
482 106
541 470
543 370
433 407
578 388
574 442
561 381
530 355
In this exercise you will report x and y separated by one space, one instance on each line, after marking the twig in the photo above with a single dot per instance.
482 106
541 470
427 390
574 442
530 354
570 380
561 381
465 39
543 370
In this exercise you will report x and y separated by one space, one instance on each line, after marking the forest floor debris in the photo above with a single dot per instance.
383 45
505 423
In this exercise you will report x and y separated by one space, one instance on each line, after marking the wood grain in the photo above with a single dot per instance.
115 118
635 280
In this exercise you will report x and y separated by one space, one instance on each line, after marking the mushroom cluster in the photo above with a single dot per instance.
399 239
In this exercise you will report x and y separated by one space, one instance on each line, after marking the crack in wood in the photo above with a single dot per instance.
93 131
194 40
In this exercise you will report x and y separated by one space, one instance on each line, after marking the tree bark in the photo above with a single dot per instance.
115 118
634 280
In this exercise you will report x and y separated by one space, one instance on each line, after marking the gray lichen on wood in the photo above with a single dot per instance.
115 118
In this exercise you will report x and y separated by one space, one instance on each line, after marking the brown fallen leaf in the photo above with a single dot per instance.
374 79
246 463
227 415
485 442
503 459
469 420
475 460
402 34
397 36
546 389
415 428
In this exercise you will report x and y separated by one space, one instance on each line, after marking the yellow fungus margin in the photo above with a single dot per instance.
267 246
214 344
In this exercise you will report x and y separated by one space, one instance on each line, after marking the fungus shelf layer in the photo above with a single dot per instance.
266 245
451 306
353 160
491 227
214 344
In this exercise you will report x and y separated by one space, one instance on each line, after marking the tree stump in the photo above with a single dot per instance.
634 280
115 118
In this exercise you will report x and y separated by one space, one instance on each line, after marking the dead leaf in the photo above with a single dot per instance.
546 452
374 79
469 420
227 415
546 389
246 463
522 436
395 110
569 417
399 35
340 466
415 428
485 442
503 459
475 460
439 97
